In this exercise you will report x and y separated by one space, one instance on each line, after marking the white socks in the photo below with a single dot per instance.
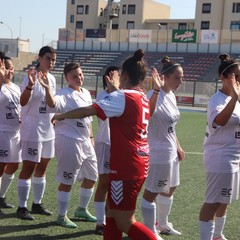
149 214
164 209
100 212
39 185
219 226
206 230
24 186
63 200
85 197
5 183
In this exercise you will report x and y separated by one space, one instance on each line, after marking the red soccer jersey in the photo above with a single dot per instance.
128 113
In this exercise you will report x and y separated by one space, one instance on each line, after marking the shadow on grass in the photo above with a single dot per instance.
8 229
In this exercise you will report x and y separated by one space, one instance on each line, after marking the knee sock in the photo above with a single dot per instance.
164 209
111 230
139 231
63 200
5 183
219 226
206 230
39 185
24 186
100 212
85 197
149 214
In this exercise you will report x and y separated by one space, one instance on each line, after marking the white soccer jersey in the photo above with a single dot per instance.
68 99
10 107
103 134
161 130
222 144
36 121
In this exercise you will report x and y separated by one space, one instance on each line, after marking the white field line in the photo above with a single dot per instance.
194 153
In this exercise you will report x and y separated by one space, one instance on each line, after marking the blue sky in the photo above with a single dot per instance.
39 21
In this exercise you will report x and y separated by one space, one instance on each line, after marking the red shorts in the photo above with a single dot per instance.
122 194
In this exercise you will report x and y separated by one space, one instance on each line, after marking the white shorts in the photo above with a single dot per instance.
163 176
10 147
34 151
103 157
222 187
76 159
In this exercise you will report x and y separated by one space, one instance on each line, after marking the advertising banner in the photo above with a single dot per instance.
209 36
95 33
184 36
141 36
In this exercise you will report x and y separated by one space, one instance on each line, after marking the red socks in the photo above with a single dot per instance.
111 231
139 231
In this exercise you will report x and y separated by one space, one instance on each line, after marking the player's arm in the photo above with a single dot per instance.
76 113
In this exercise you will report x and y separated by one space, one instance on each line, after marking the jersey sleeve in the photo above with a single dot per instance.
112 105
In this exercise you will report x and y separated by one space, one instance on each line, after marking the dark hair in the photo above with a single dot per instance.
227 65
108 70
168 66
44 50
2 55
135 67
69 67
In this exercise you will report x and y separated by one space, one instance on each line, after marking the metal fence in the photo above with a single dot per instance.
193 93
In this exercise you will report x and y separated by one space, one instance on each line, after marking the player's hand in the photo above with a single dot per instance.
181 153
43 79
158 81
32 76
3 71
57 117
113 80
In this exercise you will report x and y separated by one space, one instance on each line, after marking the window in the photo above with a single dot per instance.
101 12
79 25
206 8
182 26
71 18
236 8
114 26
80 9
86 9
130 25
131 9
124 9
235 25
73 2
205 24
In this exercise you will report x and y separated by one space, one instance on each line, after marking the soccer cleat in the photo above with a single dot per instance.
222 237
158 237
99 229
168 230
64 221
39 209
4 204
84 214
24 214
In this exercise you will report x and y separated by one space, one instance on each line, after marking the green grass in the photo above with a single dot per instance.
188 198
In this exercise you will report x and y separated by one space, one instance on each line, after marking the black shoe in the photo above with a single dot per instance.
4 204
24 214
39 209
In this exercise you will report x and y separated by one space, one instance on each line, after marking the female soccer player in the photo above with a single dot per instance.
37 135
80 162
165 151
10 151
221 151
102 149
128 112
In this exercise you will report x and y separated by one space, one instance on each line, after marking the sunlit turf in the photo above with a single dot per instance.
188 198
